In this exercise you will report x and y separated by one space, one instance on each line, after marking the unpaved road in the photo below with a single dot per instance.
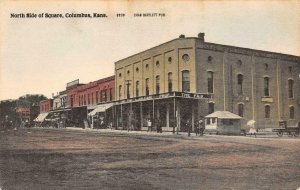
78 159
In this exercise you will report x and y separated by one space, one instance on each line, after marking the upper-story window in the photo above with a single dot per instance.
128 89
137 69
137 84
105 95
97 97
185 57
89 99
101 95
211 107
266 66
210 82
239 63
110 94
241 110
266 86
291 88
170 82
186 81
209 59
290 69
292 112
157 63
128 72
147 87
240 84
170 60
120 91
157 79
120 74
267 111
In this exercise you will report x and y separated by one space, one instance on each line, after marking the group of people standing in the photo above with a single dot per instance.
199 126
158 125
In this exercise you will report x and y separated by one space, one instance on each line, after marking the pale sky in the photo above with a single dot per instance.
40 55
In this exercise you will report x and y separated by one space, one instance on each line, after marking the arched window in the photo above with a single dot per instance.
128 89
266 86
97 97
239 63
110 94
209 59
105 95
185 81
291 88
210 82
137 88
120 91
240 84
267 111
266 66
211 107
290 69
157 79
292 112
147 87
170 82
241 110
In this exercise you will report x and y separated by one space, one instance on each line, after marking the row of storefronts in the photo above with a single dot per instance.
182 81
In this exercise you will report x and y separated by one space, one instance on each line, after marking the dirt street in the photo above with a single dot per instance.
82 159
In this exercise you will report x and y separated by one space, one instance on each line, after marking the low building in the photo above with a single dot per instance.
223 122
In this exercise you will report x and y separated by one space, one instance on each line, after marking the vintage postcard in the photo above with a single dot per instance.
151 94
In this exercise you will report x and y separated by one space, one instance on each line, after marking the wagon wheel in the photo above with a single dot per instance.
280 133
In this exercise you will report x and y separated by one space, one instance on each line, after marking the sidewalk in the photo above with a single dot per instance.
184 135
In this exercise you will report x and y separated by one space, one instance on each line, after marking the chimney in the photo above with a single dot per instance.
201 36
182 36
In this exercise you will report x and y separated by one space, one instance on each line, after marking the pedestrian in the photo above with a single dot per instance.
188 127
201 127
159 126
197 128
149 125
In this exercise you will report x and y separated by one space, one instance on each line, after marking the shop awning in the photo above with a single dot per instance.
41 117
100 108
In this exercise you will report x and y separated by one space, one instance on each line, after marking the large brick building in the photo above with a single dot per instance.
46 105
91 94
259 85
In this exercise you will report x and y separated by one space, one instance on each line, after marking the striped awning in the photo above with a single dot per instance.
100 108
41 117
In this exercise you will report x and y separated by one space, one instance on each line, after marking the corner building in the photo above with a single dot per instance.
257 85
